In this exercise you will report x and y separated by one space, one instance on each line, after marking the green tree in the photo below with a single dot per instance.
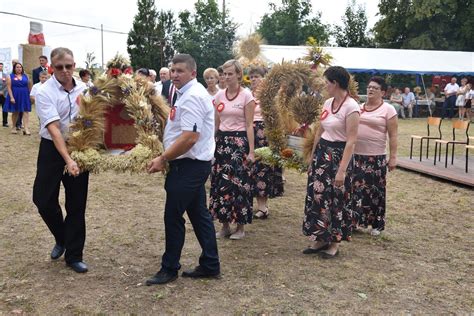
148 42
426 24
208 35
353 33
291 24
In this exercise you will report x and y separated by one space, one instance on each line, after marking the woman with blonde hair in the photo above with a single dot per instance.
231 195
211 77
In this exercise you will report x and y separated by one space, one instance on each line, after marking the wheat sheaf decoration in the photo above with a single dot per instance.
148 110
289 107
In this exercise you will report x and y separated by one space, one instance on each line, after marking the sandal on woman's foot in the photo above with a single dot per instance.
237 235
223 233
261 214
326 255
311 250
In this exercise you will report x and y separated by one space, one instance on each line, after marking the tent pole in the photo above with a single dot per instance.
426 95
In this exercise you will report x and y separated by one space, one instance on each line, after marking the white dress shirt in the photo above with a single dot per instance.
194 113
451 88
53 103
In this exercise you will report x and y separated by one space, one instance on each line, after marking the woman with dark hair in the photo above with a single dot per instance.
268 180
377 119
328 213
231 196
18 99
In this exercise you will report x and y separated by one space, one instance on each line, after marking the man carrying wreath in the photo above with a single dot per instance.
189 148
57 107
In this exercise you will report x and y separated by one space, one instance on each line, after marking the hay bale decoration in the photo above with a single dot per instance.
291 98
148 111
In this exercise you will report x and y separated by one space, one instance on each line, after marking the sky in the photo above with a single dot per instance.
118 16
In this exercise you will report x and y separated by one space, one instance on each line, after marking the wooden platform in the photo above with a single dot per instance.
454 173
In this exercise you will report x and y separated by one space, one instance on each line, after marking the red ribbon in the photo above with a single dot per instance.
173 113
220 107
324 115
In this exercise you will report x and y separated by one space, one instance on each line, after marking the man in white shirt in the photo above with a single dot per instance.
408 100
56 106
164 76
43 76
450 97
189 148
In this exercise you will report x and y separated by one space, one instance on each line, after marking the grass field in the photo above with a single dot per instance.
423 263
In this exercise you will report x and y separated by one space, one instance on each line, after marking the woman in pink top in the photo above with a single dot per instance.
268 180
231 194
328 209
377 119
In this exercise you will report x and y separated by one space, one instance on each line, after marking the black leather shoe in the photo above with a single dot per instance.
57 252
79 266
162 277
199 272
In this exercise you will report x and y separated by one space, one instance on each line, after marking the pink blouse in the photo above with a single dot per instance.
257 116
232 112
334 125
372 133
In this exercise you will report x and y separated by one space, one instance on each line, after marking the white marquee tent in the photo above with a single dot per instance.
381 60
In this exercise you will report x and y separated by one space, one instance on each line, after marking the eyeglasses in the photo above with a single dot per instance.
373 88
62 67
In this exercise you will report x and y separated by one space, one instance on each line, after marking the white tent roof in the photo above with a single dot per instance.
381 60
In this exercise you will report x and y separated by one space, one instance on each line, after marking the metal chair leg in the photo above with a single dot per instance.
452 155
411 148
467 159
446 157
421 148
435 153
427 147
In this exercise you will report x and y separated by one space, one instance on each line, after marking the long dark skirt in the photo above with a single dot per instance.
369 185
268 180
231 194
328 209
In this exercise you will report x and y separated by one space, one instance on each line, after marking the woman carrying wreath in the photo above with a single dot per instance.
328 211
377 119
268 180
231 194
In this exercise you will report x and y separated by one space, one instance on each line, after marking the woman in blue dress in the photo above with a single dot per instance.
18 99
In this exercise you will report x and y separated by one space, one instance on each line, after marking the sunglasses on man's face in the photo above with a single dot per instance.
62 67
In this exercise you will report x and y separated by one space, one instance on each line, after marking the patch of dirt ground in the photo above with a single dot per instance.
423 262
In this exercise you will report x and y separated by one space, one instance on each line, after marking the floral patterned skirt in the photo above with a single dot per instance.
268 180
369 185
231 194
328 209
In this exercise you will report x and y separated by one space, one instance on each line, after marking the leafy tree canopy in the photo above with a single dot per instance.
208 35
353 33
292 24
426 24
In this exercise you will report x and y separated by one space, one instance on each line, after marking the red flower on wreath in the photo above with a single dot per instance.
128 71
115 72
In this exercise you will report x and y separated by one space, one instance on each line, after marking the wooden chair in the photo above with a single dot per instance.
457 125
471 141
432 121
